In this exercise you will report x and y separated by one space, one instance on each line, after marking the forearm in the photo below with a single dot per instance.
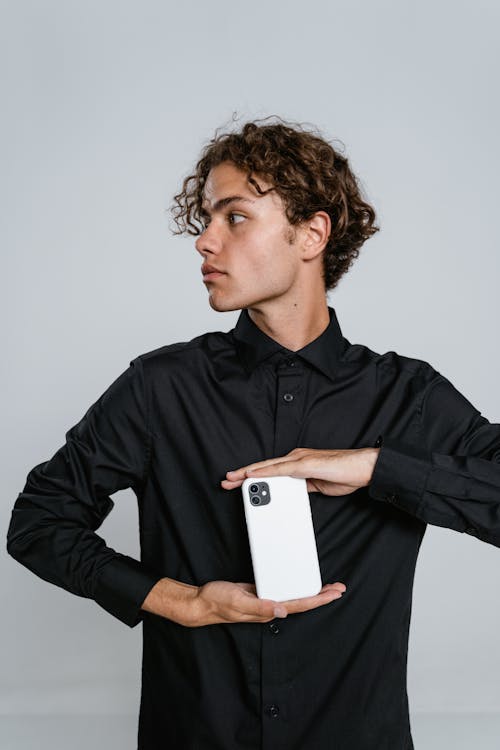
369 457
174 600
455 491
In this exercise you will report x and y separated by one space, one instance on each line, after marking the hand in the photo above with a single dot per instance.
332 472
223 601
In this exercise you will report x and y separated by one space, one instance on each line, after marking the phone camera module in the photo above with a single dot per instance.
255 500
254 488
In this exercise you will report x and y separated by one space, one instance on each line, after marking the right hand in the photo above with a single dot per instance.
224 601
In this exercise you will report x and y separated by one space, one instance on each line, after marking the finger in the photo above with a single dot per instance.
253 608
310 486
341 587
337 585
297 467
291 468
248 587
310 602
265 608
242 470
229 485
250 607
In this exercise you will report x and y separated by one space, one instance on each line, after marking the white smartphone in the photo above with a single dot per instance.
281 535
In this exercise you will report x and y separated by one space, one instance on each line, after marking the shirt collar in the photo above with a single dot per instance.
254 345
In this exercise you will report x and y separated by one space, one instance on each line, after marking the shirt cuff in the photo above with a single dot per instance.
121 587
400 474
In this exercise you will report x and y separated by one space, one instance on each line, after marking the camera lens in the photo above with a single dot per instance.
254 488
255 500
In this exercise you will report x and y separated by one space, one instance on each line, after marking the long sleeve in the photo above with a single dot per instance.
55 517
451 477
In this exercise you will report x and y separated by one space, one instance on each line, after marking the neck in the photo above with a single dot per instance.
293 325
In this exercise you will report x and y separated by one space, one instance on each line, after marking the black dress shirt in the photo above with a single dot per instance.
169 427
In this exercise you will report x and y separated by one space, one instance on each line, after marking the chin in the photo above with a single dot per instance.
222 305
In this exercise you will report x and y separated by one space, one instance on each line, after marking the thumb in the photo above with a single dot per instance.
250 587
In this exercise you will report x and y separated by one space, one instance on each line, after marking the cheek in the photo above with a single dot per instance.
271 273
266 257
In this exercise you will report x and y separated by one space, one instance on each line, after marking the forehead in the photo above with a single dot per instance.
226 178
226 181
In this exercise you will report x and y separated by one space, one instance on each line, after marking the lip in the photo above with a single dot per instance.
212 275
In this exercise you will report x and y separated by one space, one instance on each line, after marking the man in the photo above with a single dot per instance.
385 442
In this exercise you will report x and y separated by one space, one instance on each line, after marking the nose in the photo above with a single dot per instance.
207 241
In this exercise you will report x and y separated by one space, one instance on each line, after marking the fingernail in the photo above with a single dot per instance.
280 612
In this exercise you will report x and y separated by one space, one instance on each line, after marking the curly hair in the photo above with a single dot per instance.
307 173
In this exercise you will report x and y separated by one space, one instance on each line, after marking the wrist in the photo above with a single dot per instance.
172 599
371 456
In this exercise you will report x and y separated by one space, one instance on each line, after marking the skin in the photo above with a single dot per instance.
272 269
275 271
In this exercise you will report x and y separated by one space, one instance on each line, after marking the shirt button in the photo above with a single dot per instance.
288 397
274 627
273 711
392 497
290 363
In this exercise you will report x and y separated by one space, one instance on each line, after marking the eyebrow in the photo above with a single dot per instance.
225 202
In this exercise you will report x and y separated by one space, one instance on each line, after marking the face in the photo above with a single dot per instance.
249 239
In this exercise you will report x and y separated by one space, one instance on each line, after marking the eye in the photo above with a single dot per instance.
233 214
205 220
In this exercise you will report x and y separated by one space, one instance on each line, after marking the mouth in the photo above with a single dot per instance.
211 275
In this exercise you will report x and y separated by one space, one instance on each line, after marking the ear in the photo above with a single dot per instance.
316 233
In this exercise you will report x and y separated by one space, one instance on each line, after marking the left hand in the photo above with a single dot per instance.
331 472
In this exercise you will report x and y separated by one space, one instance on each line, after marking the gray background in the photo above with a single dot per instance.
106 106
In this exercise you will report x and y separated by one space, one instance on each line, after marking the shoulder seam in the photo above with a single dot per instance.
176 345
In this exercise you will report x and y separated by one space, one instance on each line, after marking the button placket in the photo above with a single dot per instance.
275 654
288 408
